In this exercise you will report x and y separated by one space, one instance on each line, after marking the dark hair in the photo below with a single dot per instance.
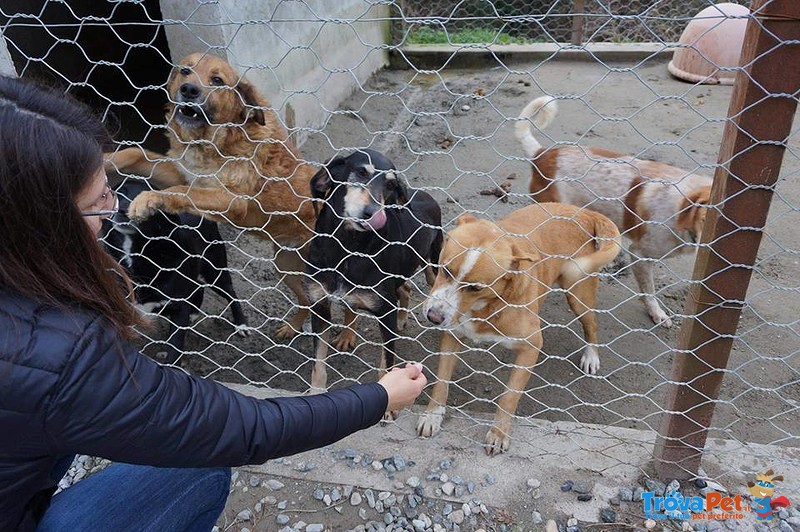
50 148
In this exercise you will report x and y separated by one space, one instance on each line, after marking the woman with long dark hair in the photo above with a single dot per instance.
70 383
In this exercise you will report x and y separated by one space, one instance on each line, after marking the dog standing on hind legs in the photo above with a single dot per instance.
231 161
372 235
659 207
492 281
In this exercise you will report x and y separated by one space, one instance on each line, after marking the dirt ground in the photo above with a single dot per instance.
454 145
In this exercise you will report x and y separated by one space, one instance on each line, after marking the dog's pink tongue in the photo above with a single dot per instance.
377 220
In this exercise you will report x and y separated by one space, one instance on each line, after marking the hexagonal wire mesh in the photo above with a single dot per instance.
454 135
539 21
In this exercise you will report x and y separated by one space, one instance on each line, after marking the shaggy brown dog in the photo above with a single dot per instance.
229 160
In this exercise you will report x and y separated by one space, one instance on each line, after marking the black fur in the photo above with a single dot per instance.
411 239
171 258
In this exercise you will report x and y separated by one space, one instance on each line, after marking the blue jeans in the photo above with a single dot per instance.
141 498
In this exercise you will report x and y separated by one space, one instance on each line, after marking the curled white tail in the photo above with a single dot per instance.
541 111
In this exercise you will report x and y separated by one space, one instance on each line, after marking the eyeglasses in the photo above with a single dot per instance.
104 202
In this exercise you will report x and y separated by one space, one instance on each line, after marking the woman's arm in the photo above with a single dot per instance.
115 403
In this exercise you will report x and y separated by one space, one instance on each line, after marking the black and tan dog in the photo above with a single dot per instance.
372 235
492 281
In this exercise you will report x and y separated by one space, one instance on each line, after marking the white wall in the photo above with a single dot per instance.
305 57
6 65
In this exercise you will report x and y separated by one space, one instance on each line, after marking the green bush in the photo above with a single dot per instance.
427 35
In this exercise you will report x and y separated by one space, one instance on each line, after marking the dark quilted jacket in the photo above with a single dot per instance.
70 385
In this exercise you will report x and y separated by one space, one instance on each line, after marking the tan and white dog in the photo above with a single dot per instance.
661 208
492 281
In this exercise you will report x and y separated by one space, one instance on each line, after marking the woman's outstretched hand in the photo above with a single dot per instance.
403 385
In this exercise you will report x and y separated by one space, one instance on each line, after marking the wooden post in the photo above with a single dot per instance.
577 23
760 118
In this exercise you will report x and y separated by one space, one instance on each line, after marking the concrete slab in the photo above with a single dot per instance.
551 452
436 56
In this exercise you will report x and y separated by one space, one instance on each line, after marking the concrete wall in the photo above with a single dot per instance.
305 57
6 65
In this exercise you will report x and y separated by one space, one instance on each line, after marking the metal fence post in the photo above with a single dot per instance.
762 107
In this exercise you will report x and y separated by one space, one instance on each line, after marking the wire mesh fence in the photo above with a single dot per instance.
577 22
230 292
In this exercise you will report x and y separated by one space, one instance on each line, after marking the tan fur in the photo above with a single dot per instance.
542 187
635 214
659 207
492 282
239 169
691 216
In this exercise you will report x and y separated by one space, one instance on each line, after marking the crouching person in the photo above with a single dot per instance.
70 383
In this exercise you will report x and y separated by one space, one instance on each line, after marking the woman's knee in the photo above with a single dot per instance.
220 477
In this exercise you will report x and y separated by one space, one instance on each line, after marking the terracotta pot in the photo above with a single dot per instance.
713 40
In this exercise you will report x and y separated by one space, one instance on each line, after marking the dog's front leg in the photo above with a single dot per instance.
403 300
643 271
221 282
321 326
430 422
388 321
145 163
178 314
346 340
498 438
291 264
216 204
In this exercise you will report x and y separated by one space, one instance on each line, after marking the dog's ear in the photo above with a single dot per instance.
396 190
251 100
321 183
751 484
520 260
465 218
519 275
690 207
778 478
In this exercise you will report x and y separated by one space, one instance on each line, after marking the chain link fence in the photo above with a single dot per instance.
578 22
453 135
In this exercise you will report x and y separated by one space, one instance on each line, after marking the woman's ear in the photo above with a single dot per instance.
251 100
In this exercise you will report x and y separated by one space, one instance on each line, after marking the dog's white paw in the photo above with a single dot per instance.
497 441
430 422
657 314
315 390
243 330
590 361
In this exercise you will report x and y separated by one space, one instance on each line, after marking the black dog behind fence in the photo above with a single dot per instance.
172 259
